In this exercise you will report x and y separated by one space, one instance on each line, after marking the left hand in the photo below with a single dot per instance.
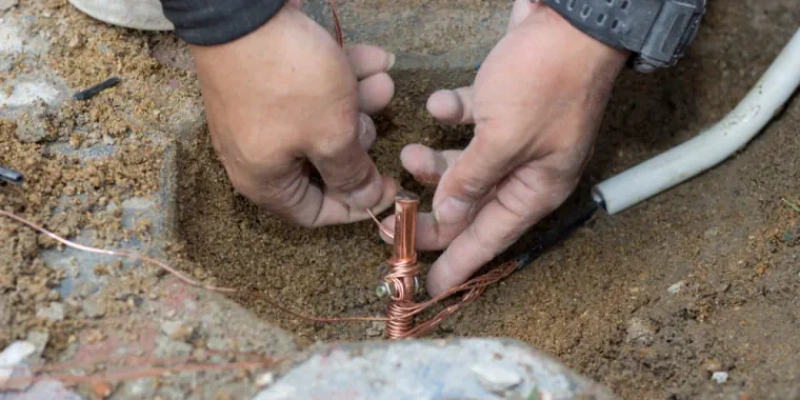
537 103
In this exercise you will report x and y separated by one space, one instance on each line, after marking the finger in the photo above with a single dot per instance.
452 106
367 60
349 174
367 136
375 93
481 166
427 165
334 211
522 200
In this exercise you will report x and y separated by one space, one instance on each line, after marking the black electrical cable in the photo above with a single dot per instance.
557 234
9 175
94 90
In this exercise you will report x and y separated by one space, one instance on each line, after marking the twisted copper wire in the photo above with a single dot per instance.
404 270
402 278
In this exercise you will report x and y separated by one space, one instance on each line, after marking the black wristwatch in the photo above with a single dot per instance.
657 32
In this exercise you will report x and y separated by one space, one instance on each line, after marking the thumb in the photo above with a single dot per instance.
482 165
521 10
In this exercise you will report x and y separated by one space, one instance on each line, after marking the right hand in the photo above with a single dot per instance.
286 99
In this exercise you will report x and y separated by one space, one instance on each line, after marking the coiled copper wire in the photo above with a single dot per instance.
402 277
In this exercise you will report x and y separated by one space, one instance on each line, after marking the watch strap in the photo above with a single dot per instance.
656 31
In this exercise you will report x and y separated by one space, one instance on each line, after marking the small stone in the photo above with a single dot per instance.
720 377
38 339
675 287
123 294
93 309
495 378
711 365
376 329
640 330
13 355
184 333
712 232
6 4
53 312
265 380
170 327
138 389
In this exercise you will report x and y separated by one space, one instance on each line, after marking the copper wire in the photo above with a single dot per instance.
401 311
404 272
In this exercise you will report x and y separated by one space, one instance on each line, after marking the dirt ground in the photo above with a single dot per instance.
702 279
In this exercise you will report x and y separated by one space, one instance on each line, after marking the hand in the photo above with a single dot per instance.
285 100
536 103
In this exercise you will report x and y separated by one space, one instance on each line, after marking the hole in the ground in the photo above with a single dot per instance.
328 271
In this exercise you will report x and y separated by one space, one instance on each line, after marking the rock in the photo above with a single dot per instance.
170 327
265 380
720 377
53 312
123 294
676 287
38 339
711 365
138 389
93 309
640 330
6 4
36 126
376 329
12 356
495 378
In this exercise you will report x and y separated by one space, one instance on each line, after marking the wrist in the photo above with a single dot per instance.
214 22
595 51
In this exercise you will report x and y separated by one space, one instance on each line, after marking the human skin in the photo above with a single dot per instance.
286 100
536 105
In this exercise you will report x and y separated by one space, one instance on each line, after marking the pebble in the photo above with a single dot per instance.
640 330
712 365
13 355
720 377
376 329
93 309
170 327
124 294
675 287
265 380
38 339
495 378
53 312
138 389
6 4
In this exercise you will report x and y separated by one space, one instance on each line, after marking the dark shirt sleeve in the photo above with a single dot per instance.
210 22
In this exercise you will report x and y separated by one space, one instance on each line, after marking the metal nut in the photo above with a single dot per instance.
385 289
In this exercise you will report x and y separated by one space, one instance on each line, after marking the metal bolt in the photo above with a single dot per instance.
384 289
417 286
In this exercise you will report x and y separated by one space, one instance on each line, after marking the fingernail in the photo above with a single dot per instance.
392 59
451 211
364 121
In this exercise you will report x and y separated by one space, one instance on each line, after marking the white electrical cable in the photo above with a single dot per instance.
711 146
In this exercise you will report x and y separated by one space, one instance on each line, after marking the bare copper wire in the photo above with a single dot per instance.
404 273
400 315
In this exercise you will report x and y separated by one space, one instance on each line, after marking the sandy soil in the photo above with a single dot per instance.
599 302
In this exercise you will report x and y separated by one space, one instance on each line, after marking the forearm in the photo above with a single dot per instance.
210 22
